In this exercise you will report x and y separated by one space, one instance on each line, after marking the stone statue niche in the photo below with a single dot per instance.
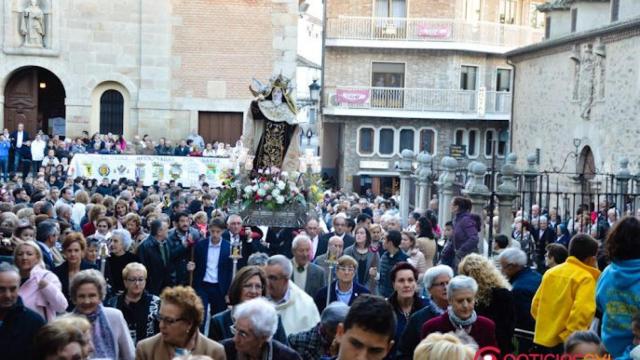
33 23
589 76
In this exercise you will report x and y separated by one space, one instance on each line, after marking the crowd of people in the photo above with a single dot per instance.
39 154
120 270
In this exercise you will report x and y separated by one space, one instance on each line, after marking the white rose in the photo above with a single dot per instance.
262 192
275 192
248 189
280 199
284 174
281 185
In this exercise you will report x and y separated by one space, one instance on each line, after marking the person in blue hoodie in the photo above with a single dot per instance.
618 289
5 144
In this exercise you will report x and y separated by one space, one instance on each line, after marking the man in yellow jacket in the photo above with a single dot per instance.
565 301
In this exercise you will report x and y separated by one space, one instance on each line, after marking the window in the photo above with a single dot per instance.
547 27
111 112
386 141
459 137
472 10
472 143
489 137
387 74
503 80
407 139
468 77
574 19
508 11
365 141
615 10
502 144
391 8
427 141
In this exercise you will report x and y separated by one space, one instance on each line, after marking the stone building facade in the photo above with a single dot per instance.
576 94
160 67
419 75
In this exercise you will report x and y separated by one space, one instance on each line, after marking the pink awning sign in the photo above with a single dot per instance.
437 31
352 96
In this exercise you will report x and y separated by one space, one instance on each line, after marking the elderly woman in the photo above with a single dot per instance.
118 259
435 283
133 223
255 324
416 257
344 288
73 248
109 331
41 290
404 299
250 283
461 316
77 322
140 309
58 341
367 260
494 298
181 313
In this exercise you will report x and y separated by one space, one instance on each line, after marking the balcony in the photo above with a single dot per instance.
423 33
417 103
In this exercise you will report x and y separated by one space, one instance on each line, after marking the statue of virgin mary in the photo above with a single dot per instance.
271 129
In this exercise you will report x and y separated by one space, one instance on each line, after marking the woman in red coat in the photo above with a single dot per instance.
461 316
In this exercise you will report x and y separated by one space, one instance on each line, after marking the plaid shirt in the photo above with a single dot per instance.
310 344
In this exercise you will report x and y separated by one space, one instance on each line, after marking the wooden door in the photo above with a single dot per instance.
21 101
220 126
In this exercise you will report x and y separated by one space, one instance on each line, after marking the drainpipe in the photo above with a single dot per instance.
513 101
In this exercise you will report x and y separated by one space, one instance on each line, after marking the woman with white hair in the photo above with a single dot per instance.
435 283
255 324
461 314
119 258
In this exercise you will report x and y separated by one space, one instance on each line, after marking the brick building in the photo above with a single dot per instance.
160 67
421 75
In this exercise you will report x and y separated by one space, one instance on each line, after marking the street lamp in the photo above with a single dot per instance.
314 91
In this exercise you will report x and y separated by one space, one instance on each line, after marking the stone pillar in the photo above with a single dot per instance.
445 184
423 175
406 170
507 191
636 179
475 189
530 176
623 175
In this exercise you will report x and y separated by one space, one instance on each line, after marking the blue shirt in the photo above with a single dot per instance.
344 297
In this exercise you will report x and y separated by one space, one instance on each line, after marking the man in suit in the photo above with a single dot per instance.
212 268
250 239
308 276
336 247
47 234
155 255
19 139
340 228
312 228
543 236
180 238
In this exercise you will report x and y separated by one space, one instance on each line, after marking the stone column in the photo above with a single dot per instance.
406 170
623 175
636 179
507 192
423 175
445 184
475 189
530 176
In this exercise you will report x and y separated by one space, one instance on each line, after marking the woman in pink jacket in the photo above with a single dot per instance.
41 290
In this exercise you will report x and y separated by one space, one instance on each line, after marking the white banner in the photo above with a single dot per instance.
149 168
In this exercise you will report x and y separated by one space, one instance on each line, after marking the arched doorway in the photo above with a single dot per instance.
111 112
35 96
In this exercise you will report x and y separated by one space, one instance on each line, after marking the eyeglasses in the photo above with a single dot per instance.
243 334
256 287
167 320
347 269
136 280
275 277
440 284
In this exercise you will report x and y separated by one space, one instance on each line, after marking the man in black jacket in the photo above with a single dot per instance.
19 139
179 239
340 228
19 324
155 254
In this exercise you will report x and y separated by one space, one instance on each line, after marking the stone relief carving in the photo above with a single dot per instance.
33 25
589 76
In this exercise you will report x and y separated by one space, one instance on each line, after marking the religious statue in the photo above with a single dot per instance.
589 79
271 130
32 25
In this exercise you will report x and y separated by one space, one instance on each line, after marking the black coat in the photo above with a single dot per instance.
501 310
220 328
323 242
321 296
411 336
62 272
159 274
18 330
179 254
279 351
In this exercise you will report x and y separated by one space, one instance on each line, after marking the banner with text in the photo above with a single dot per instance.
150 168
